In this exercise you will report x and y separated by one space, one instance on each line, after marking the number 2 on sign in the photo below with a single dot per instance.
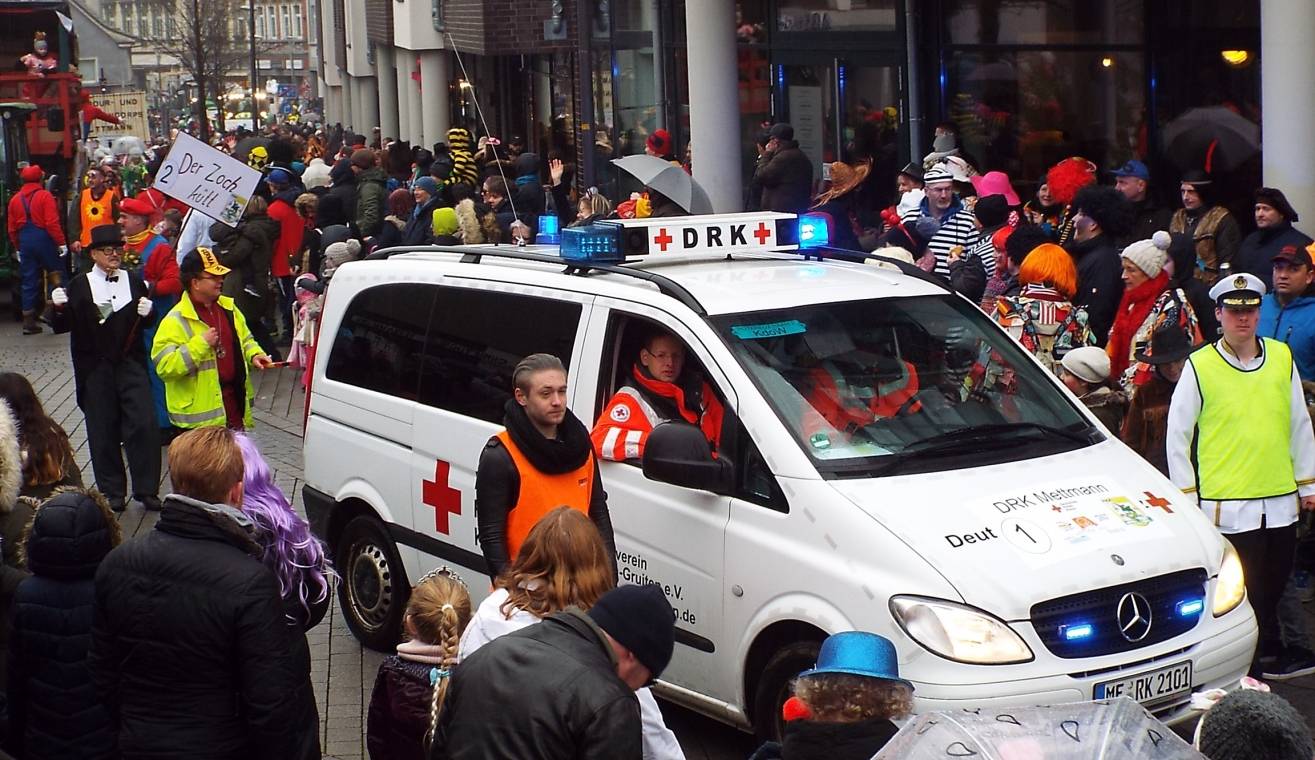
1025 535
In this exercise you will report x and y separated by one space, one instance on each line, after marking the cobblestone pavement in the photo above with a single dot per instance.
342 671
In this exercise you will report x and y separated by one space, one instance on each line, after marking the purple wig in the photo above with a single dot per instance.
295 556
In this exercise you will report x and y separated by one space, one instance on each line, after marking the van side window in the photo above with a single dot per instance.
475 339
379 339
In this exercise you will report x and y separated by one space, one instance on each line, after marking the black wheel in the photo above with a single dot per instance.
373 591
774 686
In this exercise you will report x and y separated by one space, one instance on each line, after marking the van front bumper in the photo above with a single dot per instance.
1218 662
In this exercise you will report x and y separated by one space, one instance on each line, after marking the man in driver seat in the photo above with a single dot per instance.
659 390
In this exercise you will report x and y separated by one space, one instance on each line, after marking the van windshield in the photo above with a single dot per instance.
903 385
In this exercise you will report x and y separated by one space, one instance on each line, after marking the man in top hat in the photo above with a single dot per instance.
1133 179
784 173
1214 229
152 258
104 311
203 351
35 232
1239 438
1274 232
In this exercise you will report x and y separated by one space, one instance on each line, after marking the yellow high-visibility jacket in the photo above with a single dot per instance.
186 364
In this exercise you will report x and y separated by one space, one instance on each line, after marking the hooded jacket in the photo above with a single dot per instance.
247 249
786 179
371 200
54 711
1255 254
548 691
283 210
1294 325
1100 283
498 482
338 206
190 650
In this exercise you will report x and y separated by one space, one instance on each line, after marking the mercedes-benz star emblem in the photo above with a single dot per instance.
1134 615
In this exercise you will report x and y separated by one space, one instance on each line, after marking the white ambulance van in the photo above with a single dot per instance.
1012 548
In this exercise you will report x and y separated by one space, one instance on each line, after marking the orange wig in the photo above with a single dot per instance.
1050 265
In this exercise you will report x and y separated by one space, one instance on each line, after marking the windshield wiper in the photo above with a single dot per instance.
967 437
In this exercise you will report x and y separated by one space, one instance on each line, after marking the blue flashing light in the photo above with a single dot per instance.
596 243
550 228
1077 632
1190 607
813 231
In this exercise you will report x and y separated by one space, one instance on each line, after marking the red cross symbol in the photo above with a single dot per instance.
1056 508
439 495
762 233
663 239
1155 501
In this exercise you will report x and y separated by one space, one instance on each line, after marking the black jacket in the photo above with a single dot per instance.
247 249
1100 283
786 178
92 342
1148 219
398 717
419 229
812 740
338 206
54 711
547 691
190 650
498 484
1255 255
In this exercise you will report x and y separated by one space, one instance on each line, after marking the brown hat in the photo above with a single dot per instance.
364 158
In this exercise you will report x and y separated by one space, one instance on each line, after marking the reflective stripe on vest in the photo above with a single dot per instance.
1244 427
540 493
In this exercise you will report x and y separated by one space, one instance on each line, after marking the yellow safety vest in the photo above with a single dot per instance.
1243 432
186 364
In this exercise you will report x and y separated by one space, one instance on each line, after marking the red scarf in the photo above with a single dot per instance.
1134 308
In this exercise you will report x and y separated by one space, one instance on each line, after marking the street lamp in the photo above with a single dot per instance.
250 8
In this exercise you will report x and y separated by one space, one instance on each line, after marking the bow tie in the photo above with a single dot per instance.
115 278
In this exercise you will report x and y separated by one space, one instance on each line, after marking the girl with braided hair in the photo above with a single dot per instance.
412 685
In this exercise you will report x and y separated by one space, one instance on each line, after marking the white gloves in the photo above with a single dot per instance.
143 306
59 296
63 251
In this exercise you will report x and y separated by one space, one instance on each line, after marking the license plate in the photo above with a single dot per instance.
1149 687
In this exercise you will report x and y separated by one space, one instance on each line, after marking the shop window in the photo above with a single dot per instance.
1043 22
1022 111
837 15
633 15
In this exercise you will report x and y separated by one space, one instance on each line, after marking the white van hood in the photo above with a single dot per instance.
1008 536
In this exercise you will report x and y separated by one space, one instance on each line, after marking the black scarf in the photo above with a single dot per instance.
553 456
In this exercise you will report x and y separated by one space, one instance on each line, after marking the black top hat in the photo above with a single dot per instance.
1169 343
106 235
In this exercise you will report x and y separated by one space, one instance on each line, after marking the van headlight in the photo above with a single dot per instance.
1230 586
959 632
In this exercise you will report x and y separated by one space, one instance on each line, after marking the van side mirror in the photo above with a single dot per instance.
679 454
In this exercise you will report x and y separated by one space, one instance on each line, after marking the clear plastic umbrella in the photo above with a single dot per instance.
668 179
1116 728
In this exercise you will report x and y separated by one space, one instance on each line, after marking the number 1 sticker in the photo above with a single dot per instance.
1028 536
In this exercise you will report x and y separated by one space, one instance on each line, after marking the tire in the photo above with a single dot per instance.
373 591
773 686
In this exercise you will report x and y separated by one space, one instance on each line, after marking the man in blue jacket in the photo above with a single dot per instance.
1288 315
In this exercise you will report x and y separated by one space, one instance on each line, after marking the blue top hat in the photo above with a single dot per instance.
858 653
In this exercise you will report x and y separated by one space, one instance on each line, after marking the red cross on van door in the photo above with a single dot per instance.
443 498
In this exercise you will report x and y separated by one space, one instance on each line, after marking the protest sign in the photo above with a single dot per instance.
212 182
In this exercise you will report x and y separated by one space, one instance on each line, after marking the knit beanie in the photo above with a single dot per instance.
1275 199
445 221
1150 255
1090 364
1249 724
426 183
640 619
338 254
